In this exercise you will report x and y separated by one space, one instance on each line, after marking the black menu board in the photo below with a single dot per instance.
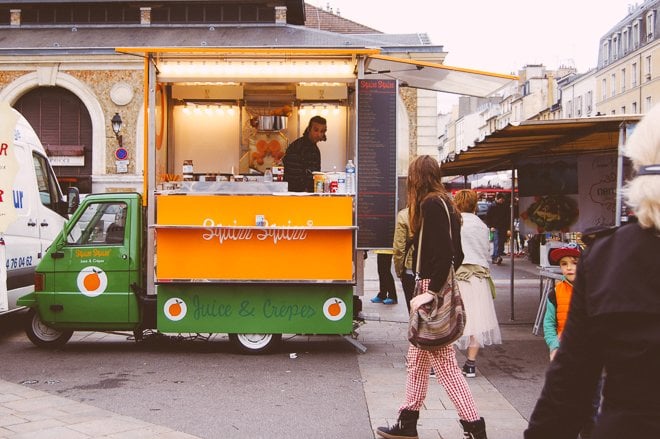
376 163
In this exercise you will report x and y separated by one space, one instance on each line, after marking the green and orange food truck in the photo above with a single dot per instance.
228 249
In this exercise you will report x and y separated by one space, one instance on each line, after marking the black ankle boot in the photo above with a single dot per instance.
405 427
474 429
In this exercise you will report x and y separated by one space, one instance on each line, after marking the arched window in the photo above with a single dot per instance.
64 127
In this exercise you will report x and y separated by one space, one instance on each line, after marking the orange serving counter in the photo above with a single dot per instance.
216 238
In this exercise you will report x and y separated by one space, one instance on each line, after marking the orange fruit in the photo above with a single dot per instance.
334 309
92 281
175 308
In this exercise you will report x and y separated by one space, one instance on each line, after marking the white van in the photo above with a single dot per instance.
32 208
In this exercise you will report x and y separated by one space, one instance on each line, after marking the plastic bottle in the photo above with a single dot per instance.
350 177
188 174
268 176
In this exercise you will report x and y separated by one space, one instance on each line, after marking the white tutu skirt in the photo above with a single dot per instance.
481 320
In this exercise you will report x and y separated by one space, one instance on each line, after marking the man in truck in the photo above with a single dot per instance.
303 156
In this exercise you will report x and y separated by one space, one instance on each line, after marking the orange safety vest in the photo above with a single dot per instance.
563 293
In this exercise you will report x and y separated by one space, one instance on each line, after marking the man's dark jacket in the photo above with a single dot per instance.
498 216
301 159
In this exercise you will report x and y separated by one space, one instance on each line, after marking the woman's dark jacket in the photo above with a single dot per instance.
437 249
301 159
613 325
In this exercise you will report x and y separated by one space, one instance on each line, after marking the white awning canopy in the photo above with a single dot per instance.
437 77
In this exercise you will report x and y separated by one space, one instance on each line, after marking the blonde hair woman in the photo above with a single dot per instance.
481 328
614 318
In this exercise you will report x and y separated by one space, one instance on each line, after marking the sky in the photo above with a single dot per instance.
497 36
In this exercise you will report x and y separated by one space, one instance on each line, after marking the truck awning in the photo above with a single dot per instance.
436 77
536 140
410 72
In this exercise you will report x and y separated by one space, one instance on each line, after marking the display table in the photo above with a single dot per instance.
548 277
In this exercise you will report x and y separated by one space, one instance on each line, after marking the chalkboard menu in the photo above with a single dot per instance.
376 163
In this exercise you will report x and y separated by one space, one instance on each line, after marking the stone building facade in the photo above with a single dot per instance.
61 58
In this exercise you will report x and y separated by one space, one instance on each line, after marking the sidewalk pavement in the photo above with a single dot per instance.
32 414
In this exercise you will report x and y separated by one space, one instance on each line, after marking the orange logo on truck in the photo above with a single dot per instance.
175 309
92 281
334 309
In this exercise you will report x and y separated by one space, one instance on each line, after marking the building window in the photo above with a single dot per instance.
633 78
648 103
635 34
613 84
604 89
589 103
569 109
648 68
634 107
623 80
578 106
625 40
615 46
623 110
606 52
650 25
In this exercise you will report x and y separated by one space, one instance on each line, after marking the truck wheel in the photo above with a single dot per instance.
43 335
255 343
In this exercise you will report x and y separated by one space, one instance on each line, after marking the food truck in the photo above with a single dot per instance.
216 243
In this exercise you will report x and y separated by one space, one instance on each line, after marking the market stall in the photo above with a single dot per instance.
568 174
221 243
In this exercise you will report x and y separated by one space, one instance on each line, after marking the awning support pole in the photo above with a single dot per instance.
619 173
512 256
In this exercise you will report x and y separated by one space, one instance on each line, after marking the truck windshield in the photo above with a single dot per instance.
100 223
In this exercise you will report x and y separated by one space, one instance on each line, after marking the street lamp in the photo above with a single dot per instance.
116 127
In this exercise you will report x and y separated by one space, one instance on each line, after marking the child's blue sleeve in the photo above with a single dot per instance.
550 326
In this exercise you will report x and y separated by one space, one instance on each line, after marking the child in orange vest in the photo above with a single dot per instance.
559 298
556 312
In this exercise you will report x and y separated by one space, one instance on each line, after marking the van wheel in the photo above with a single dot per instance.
255 343
43 335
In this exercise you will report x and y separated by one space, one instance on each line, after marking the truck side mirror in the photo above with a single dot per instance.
73 199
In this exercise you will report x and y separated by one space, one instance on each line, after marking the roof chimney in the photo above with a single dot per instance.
145 16
15 17
280 14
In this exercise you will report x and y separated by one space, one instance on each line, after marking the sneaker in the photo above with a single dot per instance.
469 371
498 261
389 301
377 299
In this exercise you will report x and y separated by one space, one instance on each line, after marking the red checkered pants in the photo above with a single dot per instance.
449 375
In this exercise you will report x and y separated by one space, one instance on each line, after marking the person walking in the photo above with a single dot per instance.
428 204
402 258
498 219
477 287
614 318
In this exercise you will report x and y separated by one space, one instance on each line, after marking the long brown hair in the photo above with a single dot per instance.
424 180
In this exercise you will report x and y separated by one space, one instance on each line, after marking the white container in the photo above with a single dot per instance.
350 177
341 182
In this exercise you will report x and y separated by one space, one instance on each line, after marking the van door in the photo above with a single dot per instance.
91 271
22 242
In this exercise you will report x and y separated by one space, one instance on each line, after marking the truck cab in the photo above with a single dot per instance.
92 274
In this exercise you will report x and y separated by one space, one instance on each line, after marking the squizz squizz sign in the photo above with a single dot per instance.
239 234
